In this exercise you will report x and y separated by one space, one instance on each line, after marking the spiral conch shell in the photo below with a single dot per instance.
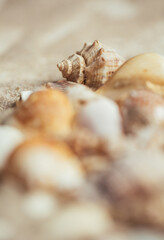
93 65
145 71
73 68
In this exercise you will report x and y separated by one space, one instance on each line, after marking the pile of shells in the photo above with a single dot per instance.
79 164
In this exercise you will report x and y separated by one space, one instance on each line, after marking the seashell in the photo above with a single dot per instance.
48 164
145 71
73 68
10 139
100 64
47 111
39 204
140 108
134 185
90 51
91 221
94 112
100 70
101 117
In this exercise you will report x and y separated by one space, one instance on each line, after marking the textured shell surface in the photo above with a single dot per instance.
145 71
105 64
97 66
90 51
73 68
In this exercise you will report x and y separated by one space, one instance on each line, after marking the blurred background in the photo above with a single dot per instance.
36 34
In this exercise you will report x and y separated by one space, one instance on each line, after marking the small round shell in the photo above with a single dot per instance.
48 164
73 68
47 111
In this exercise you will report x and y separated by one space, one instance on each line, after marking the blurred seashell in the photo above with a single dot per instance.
78 94
47 111
10 138
24 95
49 164
134 186
90 221
98 65
73 68
102 117
144 71
39 204
94 112
140 108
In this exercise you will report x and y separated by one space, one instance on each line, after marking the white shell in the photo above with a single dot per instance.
102 117
10 138
40 163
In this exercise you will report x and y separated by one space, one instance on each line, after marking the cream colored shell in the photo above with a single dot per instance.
144 71
97 66
73 68
45 163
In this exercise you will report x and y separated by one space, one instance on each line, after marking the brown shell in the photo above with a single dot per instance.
100 64
105 64
48 112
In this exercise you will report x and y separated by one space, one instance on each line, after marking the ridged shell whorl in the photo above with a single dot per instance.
73 68
93 65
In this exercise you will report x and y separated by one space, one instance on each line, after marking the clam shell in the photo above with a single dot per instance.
145 71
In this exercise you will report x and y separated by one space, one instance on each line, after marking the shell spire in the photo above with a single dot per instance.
93 65
73 68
